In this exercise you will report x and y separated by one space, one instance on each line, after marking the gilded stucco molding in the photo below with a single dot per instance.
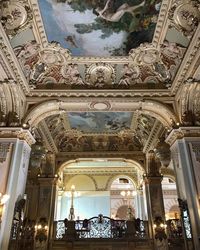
17 133
162 23
185 16
99 93
150 107
153 137
6 72
190 104
49 142
14 66
181 133
16 16
187 62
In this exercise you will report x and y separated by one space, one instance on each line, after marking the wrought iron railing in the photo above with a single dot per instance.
174 229
102 227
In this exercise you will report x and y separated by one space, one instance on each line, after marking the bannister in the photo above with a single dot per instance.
102 227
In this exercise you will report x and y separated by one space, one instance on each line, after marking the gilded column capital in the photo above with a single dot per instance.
17 133
182 132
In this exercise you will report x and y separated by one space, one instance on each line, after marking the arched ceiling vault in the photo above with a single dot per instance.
87 83
156 109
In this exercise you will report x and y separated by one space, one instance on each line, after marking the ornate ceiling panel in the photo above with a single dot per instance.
99 28
99 131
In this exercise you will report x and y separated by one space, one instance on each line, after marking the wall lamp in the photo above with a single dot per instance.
41 229
3 199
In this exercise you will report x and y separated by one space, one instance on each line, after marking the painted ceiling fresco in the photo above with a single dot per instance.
99 122
99 27
99 131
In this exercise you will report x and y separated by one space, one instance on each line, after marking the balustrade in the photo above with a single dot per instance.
103 227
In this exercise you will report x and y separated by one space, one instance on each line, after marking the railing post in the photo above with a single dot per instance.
70 233
130 232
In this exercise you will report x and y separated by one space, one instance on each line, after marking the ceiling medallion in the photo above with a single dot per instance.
16 16
185 16
100 75
100 105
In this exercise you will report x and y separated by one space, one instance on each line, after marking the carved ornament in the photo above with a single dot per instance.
100 75
182 132
185 16
18 133
16 16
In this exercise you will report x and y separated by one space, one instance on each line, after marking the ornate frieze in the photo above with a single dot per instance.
4 149
53 67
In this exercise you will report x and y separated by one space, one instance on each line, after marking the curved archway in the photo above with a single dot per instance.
135 163
82 183
51 107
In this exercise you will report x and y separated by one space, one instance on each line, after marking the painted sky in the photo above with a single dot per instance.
100 122
60 20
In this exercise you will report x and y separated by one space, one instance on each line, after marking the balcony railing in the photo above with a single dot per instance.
102 227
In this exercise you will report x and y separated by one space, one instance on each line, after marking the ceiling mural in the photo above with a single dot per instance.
100 122
99 28
99 131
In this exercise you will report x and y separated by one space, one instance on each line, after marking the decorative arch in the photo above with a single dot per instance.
167 172
86 179
51 107
112 178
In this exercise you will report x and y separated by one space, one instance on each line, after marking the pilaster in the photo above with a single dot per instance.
155 204
14 158
46 204
185 148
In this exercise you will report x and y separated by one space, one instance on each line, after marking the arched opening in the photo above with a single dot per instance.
123 198
170 198
98 188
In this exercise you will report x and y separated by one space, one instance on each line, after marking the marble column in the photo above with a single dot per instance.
185 149
14 158
155 204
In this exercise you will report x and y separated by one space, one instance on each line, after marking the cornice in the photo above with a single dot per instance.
153 137
100 93
181 133
162 26
19 133
14 66
101 171
38 26
187 62
47 136
136 155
